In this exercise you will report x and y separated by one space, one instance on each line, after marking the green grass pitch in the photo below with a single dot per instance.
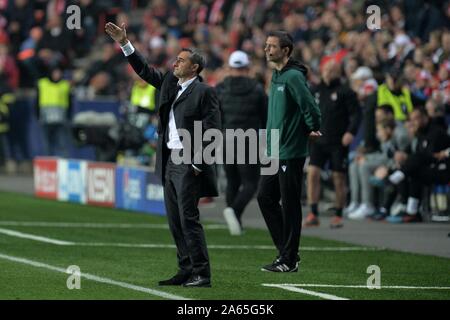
133 251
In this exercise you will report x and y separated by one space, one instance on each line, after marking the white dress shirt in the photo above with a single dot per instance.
174 139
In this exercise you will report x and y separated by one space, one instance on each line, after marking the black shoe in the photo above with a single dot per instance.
197 281
280 266
176 280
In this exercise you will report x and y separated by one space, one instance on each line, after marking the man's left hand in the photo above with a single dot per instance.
314 135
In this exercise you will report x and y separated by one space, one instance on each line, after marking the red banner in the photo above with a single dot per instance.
46 177
100 184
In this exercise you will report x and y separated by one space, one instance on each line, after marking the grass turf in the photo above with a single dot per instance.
236 272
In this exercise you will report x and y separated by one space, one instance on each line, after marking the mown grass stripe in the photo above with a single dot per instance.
95 278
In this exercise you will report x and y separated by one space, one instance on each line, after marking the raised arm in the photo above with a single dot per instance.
135 59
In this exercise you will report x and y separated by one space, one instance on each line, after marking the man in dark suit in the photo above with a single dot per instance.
183 99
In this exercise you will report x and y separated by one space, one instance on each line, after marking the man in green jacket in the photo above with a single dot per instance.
293 111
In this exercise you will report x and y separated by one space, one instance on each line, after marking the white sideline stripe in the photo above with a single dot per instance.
308 292
17 234
95 278
357 286
98 225
216 246
23 235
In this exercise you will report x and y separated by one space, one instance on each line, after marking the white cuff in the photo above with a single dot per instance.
127 49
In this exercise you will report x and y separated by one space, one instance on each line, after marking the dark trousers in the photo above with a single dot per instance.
283 221
390 193
245 175
4 148
181 195
56 139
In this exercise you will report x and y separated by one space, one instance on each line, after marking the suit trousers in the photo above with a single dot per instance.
283 221
181 196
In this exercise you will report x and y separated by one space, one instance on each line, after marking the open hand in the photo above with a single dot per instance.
118 34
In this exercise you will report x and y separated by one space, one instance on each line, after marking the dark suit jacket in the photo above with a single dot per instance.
197 103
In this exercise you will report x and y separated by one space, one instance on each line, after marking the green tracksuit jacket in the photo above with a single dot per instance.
292 110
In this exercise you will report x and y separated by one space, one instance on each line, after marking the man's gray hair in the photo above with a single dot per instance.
196 57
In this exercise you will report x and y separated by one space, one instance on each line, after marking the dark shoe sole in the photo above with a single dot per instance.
293 270
178 281
278 271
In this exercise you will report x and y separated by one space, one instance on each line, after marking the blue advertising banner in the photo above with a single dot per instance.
130 186
154 196
137 189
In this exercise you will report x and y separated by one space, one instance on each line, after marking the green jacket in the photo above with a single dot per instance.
292 110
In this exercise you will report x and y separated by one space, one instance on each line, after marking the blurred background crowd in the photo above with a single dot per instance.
414 37
410 51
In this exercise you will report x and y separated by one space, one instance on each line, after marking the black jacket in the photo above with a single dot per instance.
244 106
340 111
197 103
429 140
244 103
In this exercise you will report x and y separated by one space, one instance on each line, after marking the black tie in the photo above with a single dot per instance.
166 135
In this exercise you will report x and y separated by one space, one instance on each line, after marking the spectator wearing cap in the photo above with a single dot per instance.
363 82
244 106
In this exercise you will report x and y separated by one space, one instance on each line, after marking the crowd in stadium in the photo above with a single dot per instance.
407 57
